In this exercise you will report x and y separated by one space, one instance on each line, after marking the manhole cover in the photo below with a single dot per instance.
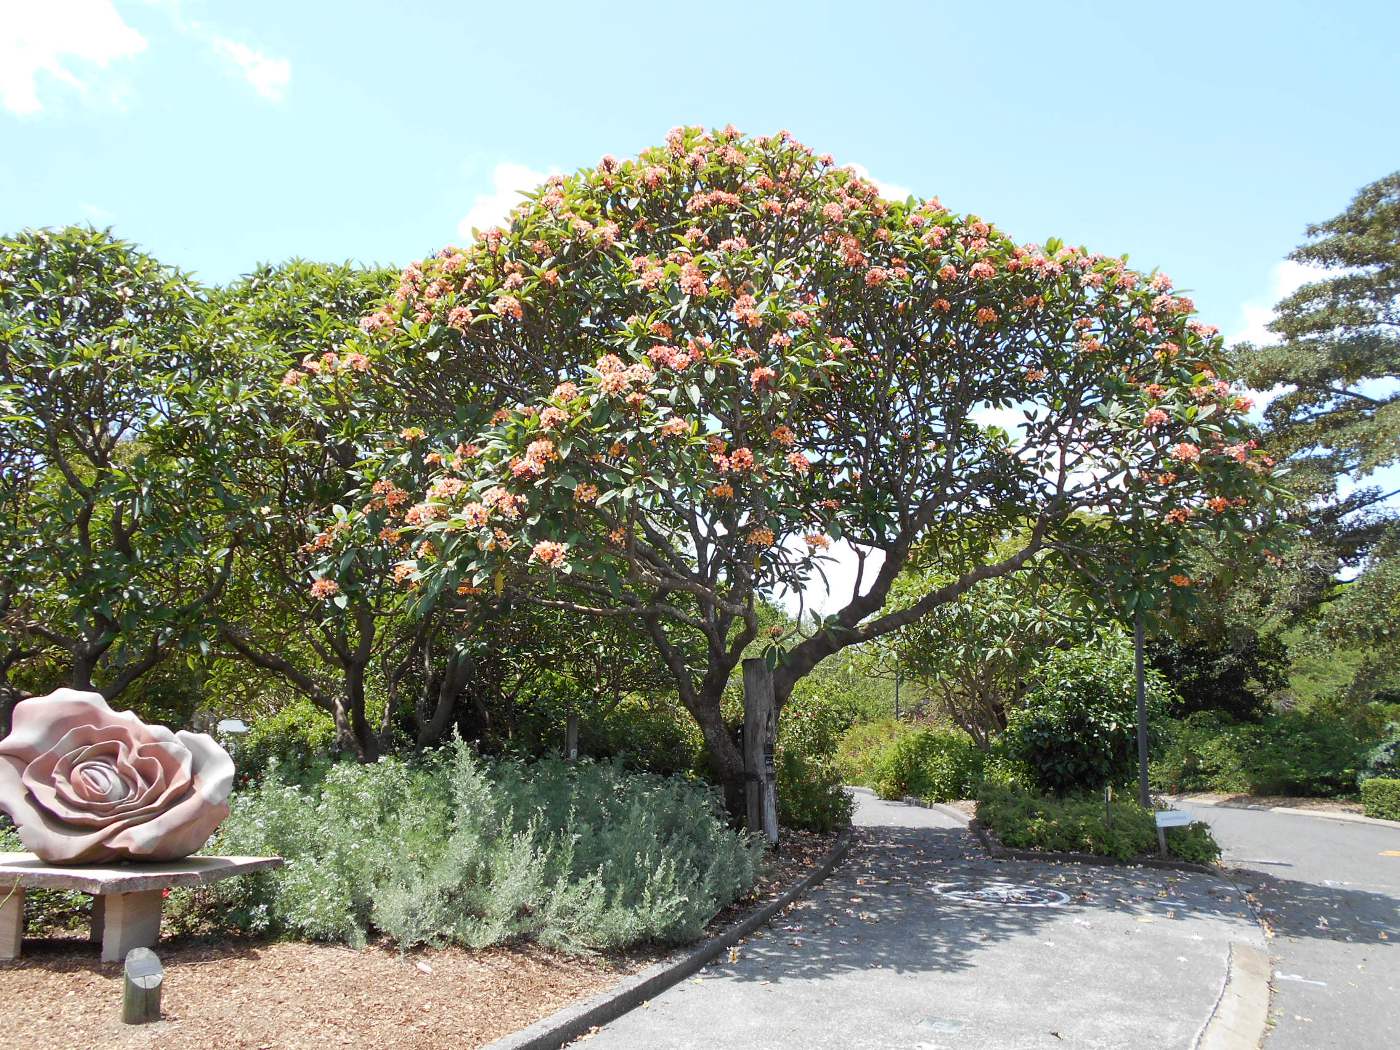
1003 894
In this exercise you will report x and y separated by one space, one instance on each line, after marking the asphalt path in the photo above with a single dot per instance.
1328 893
921 941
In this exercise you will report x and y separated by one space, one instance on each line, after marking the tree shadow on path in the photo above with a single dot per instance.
889 907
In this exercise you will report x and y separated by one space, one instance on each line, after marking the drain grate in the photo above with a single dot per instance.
1002 894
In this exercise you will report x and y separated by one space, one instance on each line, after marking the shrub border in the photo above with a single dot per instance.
993 845
565 1025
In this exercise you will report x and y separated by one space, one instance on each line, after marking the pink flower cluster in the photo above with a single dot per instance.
549 553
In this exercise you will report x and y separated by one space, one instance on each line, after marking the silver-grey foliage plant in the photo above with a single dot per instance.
458 849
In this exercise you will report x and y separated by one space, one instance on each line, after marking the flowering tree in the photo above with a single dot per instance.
746 355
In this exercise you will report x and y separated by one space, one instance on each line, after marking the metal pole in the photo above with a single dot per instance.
1143 795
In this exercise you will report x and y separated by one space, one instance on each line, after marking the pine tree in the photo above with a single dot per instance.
1339 416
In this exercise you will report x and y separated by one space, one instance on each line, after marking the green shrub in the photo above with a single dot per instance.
1077 730
1002 768
1205 751
644 734
650 733
1380 798
456 849
299 739
1383 760
810 790
1305 753
1121 829
863 746
1314 752
935 765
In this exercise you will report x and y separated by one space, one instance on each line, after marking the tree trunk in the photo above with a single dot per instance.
80 676
9 696
443 692
366 741
726 758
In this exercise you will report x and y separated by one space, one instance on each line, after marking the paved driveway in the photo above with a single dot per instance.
894 951
1331 898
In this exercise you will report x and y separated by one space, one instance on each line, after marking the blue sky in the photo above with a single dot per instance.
1198 137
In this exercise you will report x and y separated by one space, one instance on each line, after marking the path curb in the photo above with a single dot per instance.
1241 1014
564 1026
1319 814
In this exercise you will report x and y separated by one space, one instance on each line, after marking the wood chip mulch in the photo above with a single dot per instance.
261 995
1320 805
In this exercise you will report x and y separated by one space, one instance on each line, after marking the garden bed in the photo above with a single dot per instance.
247 993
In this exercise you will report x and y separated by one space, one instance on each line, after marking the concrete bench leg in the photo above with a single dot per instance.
99 909
11 921
129 920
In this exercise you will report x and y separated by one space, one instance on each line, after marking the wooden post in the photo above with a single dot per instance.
571 738
760 739
1144 792
141 987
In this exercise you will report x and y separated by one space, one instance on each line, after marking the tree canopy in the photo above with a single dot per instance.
111 549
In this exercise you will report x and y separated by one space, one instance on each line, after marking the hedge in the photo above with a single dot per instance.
1380 797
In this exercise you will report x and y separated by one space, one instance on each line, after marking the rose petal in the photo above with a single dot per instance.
41 721
186 827
178 832
213 768
47 780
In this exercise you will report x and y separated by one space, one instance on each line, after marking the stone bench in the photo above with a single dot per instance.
127 898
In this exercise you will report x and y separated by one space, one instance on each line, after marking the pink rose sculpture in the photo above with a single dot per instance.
86 784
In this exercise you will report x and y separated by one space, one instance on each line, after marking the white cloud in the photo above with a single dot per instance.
1285 279
489 209
841 565
62 38
891 191
268 76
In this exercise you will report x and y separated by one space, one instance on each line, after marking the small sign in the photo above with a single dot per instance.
1173 818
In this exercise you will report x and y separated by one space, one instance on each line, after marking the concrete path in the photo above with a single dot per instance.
886 955
1329 891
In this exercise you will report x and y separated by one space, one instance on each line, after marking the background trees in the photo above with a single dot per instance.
975 656
570 469
112 548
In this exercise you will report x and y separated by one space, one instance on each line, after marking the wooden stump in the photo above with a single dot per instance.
141 986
